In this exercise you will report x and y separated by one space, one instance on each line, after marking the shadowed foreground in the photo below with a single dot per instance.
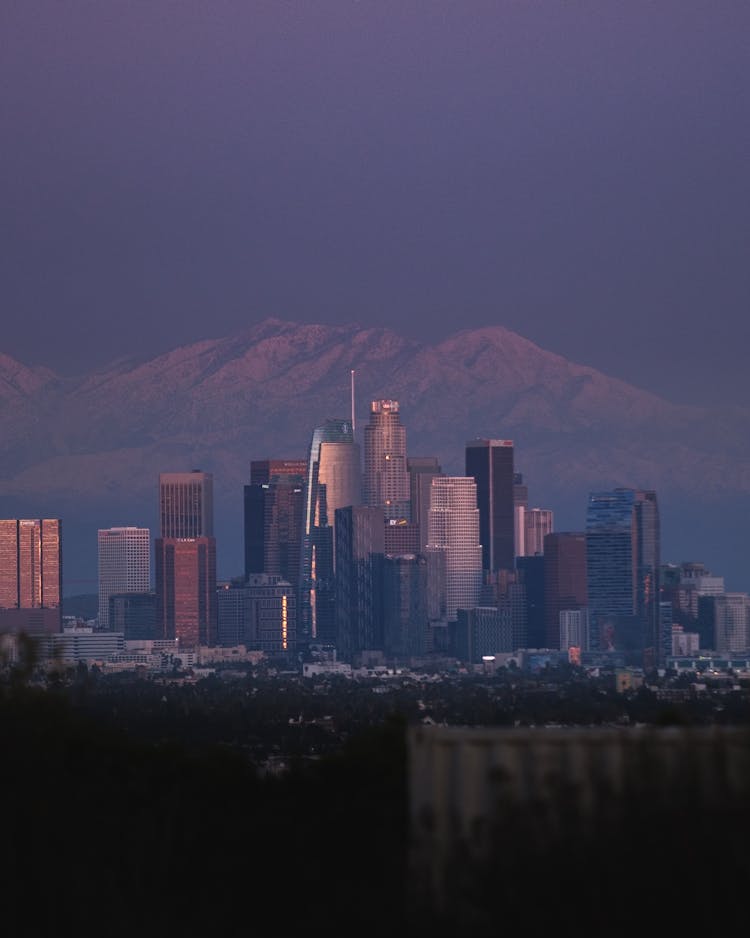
107 834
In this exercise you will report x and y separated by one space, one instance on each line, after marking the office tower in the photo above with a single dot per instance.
406 606
573 629
260 614
565 583
124 565
185 558
520 504
684 643
273 522
333 481
386 476
186 504
732 623
133 614
360 542
454 532
401 537
31 575
490 463
186 589
267 471
537 525
484 630
334 475
531 574
622 560
422 470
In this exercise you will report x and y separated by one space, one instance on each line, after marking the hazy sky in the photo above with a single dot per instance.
576 171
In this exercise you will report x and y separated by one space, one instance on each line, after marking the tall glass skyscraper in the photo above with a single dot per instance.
31 575
334 480
185 558
454 532
386 473
274 511
490 463
622 560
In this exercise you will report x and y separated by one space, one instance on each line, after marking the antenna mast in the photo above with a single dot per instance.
354 419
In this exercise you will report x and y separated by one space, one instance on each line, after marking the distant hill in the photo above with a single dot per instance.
90 449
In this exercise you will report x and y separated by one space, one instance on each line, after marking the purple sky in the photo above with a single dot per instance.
576 171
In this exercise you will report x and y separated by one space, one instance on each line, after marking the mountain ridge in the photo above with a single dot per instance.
103 438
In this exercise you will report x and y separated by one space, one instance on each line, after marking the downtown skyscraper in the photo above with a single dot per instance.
124 556
185 556
454 534
622 560
334 480
490 463
31 575
273 519
386 474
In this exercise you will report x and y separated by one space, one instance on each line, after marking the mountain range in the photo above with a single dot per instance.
89 448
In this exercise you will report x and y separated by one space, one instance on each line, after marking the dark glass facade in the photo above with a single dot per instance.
531 571
405 607
565 581
622 560
422 470
273 527
490 463
261 615
360 541
133 614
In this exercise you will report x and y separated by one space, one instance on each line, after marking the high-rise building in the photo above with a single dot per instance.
133 614
406 611
274 513
520 504
422 470
537 525
124 565
185 559
484 630
186 504
260 614
386 475
565 584
732 623
31 575
334 480
334 474
531 573
186 589
490 463
622 560
401 537
454 532
360 544
267 471
573 629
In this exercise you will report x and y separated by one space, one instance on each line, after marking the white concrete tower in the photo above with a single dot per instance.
124 565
